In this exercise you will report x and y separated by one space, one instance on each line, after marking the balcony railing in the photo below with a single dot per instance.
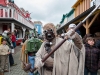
15 13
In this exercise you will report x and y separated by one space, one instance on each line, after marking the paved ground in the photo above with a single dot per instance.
16 70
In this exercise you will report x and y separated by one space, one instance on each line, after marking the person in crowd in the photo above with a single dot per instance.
87 35
16 33
92 57
97 44
25 38
5 32
62 35
4 52
67 60
9 43
1 38
13 39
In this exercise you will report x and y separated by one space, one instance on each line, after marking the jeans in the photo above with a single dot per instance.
31 60
11 60
87 72
14 44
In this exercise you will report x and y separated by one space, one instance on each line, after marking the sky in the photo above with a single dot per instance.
46 10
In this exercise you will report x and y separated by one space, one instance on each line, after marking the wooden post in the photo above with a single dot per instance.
87 29
84 26
94 18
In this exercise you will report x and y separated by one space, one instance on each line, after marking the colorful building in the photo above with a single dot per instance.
83 8
66 18
13 17
38 26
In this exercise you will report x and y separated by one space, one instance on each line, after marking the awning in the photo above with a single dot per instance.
11 20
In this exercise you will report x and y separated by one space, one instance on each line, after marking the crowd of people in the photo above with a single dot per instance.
76 56
7 46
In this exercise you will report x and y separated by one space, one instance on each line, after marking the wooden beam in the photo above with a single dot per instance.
94 18
87 29
84 26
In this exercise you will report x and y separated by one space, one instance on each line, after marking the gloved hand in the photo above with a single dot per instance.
38 63
70 34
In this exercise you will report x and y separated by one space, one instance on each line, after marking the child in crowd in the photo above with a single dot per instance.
92 58
4 51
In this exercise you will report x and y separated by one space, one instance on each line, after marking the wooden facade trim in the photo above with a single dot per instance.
84 25
87 29
76 4
83 6
80 6
94 18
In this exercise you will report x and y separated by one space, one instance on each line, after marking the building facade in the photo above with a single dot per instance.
67 17
11 16
38 26
82 8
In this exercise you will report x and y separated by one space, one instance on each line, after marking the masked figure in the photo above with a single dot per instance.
29 48
67 60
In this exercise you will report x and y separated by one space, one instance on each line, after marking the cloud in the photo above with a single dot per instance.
46 10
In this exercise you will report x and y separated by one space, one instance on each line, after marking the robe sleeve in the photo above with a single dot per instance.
38 58
78 41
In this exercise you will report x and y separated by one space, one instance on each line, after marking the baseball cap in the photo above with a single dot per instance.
72 25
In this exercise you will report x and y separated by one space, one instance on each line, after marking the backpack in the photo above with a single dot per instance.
33 45
0 39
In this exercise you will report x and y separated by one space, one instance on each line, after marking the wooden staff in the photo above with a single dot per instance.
56 47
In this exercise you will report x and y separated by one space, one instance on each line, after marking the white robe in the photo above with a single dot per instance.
68 59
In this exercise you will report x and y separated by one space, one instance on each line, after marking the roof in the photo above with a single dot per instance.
67 15
77 18
62 20
70 13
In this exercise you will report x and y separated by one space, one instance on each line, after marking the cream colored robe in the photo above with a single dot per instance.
68 59
23 55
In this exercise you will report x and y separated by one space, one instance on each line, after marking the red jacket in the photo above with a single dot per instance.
13 38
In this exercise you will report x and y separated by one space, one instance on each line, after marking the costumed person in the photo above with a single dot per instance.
30 48
4 52
23 55
67 60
